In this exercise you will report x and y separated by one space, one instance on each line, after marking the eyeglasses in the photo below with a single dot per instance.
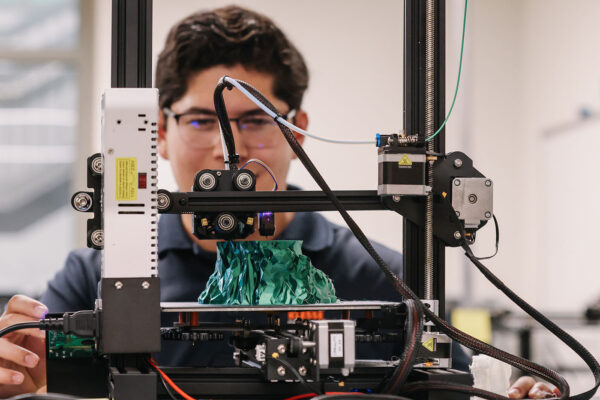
200 130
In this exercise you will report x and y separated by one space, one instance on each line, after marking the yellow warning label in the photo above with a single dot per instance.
405 161
429 344
126 177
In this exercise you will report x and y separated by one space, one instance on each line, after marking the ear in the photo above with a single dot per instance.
301 122
162 135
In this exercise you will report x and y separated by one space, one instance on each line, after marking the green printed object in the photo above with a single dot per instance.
266 272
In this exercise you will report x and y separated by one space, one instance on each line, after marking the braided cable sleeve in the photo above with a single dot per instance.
224 123
414 324
405 291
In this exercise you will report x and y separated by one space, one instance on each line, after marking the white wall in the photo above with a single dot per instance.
528 65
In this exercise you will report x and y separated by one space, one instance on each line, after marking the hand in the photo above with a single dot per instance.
527 388
23 352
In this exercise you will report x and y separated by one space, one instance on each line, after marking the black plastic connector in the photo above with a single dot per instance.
80 323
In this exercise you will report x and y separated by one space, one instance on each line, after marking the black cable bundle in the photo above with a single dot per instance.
414 330
443 326
224 123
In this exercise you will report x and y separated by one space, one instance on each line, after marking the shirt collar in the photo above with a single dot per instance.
313 229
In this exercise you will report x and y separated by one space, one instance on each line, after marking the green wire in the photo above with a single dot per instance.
462 46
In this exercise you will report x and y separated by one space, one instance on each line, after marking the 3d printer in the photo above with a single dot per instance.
290 351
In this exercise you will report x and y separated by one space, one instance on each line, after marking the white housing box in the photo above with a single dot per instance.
129 147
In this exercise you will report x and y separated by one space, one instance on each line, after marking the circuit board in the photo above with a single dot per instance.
62 347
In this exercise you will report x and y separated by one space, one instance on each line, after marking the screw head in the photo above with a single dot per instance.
97 237
457 235
96 165
396 199
302 370
488 182
118 285
457 182
488 214
281 348
218 173
314 362
281 370
163 201
110 151
82 201
458 213
145 285
458 163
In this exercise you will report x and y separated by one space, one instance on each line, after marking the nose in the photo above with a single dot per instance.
240 146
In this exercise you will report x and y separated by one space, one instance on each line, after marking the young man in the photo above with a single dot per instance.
198 51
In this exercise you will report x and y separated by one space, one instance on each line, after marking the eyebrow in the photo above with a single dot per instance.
199 110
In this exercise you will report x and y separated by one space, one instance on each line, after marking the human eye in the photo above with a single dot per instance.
255 122
200 122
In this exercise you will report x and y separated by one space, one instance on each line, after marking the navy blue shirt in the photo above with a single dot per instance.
184 268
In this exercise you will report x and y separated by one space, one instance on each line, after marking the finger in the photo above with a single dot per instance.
9 377
12 319
17 354
20 304
521 387
541 390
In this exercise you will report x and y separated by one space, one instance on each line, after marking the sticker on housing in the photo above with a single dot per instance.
405 161
336 345
126 178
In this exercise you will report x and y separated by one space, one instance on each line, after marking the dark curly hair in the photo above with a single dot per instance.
229 36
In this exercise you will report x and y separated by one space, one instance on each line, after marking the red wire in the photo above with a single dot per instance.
188 397
170 382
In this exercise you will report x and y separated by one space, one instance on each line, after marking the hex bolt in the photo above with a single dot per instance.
488 214
457 235
472 198
488 182
458 163
145 284
457 182
118 285
281 348
396 199
82 202
281 370
302 370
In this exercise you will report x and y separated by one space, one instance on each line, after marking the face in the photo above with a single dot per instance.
187 155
